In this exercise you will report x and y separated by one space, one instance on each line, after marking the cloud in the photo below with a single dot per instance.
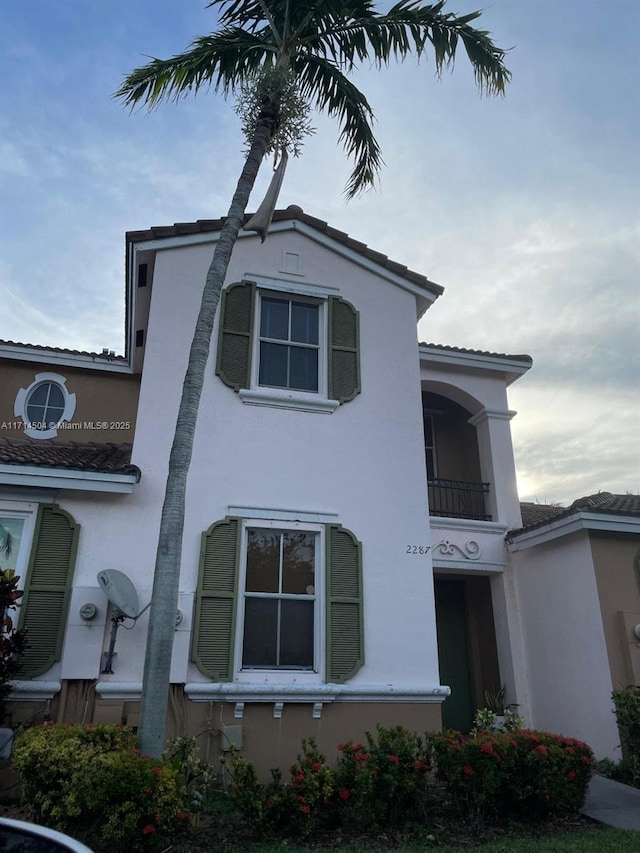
569 444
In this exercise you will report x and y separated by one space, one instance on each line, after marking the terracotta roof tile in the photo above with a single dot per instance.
101 458
445 348
602 503
290 213
41 348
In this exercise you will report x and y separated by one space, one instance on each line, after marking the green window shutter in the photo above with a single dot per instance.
344 350
345 635
47 589
215 614
235 338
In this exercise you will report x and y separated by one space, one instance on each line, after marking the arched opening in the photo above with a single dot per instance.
454 474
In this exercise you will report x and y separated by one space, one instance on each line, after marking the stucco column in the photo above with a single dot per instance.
496 464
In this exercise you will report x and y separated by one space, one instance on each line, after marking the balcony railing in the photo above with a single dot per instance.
458 499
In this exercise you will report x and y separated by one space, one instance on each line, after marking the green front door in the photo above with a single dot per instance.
453 654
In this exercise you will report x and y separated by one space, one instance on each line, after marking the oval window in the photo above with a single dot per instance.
45 406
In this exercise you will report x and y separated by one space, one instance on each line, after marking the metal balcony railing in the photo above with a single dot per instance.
458 499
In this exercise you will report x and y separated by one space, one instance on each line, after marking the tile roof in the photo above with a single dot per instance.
40 347
605 503
445 348
99 458
290 213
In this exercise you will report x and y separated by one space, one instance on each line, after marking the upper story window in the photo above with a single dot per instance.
295 349
45 405
289 344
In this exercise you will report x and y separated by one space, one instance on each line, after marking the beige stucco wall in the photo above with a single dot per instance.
266 741
614 556
101 397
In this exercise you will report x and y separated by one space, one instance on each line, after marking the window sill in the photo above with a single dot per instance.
288 400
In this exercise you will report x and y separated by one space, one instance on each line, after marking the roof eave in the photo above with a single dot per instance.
43 477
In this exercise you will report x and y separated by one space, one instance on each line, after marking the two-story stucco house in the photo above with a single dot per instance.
344 560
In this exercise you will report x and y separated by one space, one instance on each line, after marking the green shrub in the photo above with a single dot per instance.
627 710
514 772
383 783
92 781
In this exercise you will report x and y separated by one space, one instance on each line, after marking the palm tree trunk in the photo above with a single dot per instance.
164 601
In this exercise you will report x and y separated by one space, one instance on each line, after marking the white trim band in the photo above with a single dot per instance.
288 400
233 692
33 690
311 516
62 478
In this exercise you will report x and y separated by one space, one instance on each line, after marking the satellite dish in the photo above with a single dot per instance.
120 592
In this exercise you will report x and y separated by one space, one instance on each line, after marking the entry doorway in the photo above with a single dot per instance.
467 652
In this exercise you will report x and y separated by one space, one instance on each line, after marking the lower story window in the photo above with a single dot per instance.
279 599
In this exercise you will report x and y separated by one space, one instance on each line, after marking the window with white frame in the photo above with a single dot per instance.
44 405
278 600
279 618
288 344
289 350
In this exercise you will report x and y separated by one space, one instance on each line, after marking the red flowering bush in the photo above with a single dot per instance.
383 782
510 772
311 788
91 780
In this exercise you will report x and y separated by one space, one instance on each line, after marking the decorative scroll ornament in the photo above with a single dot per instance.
470 550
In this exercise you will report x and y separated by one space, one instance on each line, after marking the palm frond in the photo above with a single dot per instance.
323 83
222 60
407 29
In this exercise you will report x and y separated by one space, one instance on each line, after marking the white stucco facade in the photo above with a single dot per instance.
566 654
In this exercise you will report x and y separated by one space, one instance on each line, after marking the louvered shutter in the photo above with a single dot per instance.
215 616
345 636
233 364
47 589
344 355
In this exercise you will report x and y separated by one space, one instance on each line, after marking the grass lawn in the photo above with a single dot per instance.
596 840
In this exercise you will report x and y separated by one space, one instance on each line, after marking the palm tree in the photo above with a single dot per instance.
268 43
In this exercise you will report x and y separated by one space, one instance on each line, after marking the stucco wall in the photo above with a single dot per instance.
364 462
101 398
614 556
566 655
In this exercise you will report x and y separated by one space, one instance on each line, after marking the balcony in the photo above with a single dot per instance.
457 499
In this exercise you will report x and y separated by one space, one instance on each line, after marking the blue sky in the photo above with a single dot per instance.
526 208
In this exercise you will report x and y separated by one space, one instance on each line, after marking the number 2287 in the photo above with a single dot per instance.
418 549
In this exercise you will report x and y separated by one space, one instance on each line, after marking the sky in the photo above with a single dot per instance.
525 208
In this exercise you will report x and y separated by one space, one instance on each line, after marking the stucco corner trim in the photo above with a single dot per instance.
33 690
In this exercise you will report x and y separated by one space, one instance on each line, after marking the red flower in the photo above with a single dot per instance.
357 747
156 770
148 829
419 765
305 809
344 794
299 777
341 747
316 766
571 775
468 770
585 759
362 756
394 759
541 749
301 799
486 747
